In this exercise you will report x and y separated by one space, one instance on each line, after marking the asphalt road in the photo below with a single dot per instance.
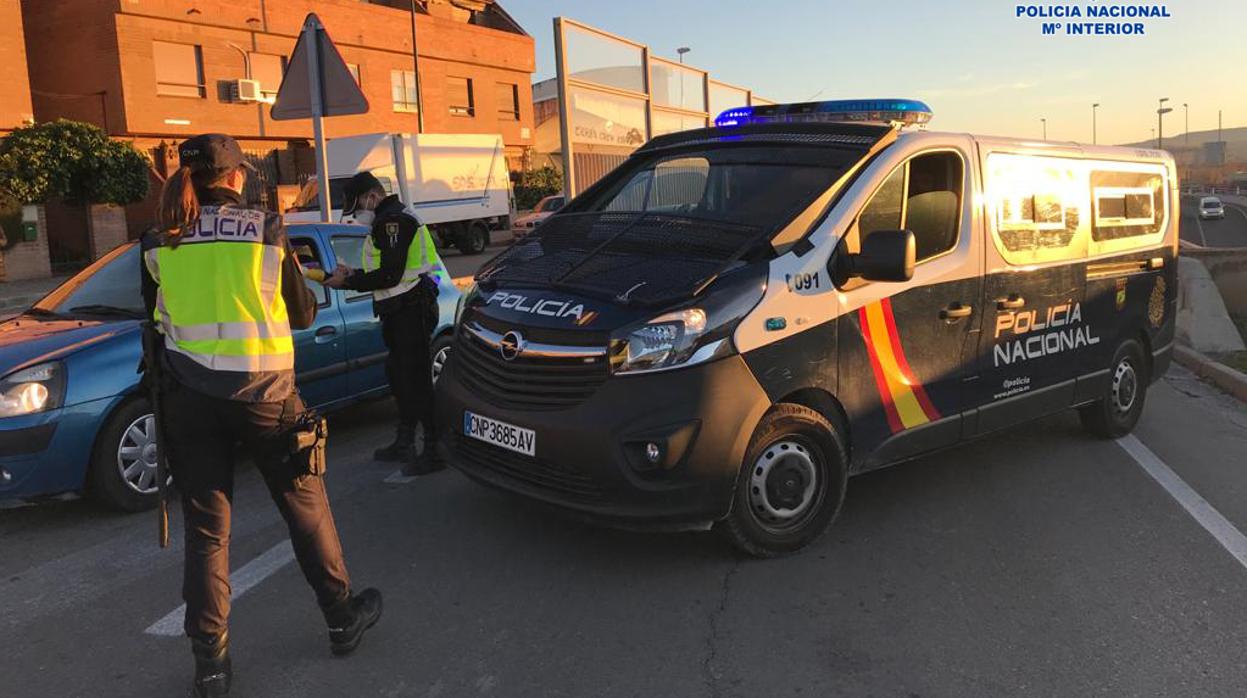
1230 231
1038 562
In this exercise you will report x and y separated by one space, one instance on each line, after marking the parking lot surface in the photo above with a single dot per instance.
1036 562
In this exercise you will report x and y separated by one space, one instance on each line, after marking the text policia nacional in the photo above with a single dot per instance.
1104 18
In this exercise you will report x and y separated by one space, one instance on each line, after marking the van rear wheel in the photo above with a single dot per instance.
791 485
1116 413
473 238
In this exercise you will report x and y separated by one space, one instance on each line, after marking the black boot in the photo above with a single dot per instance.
402 450
429 461
212 667
349 618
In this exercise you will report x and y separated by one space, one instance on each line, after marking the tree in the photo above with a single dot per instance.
70 160
535 184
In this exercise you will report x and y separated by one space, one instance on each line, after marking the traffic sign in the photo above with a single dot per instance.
316 55
318 84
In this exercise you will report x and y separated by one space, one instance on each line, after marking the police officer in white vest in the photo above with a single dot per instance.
401 267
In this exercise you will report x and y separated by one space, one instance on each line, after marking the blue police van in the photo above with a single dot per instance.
737 319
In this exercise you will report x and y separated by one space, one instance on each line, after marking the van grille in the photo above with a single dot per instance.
527 471
526 382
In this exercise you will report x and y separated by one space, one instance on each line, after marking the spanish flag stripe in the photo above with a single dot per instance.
902 396
885 395
903 363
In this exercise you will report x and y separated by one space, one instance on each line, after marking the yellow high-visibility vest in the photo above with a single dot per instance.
422 258
219 299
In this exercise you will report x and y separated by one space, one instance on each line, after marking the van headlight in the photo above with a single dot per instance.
679 338
34 389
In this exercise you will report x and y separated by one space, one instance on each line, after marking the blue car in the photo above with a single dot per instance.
72 417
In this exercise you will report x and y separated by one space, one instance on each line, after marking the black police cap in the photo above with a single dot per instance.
215 152
357 186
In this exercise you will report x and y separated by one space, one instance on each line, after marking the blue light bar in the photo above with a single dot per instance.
886 111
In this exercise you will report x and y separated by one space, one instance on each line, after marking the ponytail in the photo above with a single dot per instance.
179 204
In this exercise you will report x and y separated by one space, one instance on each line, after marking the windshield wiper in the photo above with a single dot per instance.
99 309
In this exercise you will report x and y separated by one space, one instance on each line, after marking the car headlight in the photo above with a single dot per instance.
463 301
34 389
690 336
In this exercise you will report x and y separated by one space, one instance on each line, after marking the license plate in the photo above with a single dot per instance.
508 436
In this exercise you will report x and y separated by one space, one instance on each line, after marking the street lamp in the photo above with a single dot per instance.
1093 108
1161 110
1186 126
1045 127
682 50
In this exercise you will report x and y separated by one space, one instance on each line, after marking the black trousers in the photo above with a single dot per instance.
409 367
204 435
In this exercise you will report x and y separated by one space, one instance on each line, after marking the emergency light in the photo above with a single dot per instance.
906 112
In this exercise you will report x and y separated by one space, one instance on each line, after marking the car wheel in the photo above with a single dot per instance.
791 484
474 238
123 463
1116 413
440 352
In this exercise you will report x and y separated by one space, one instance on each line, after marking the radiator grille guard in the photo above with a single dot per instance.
626 257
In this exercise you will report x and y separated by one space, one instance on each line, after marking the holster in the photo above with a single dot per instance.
308 437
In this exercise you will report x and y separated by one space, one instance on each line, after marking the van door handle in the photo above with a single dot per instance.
1013 302
326 334
955 311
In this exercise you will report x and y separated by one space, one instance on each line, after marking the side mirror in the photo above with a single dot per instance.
887 255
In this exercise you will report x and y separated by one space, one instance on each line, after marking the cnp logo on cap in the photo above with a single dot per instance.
212 151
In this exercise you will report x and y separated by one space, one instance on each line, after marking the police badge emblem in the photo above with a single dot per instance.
1156 303
391 229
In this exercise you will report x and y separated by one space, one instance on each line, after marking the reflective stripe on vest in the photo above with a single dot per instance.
422 258
219 299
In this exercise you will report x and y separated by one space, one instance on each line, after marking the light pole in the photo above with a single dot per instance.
682 50
1093 108
415 71
1044 122
1186 125
1161 110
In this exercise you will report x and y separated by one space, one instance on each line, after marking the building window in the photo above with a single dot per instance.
459 96
403 90
354 69
268 69
508 101
179 69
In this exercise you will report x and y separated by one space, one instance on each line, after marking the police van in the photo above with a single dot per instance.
736 319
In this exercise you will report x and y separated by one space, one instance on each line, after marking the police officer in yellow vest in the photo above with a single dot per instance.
226 290
402 269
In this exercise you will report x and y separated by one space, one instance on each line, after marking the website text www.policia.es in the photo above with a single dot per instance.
1104 11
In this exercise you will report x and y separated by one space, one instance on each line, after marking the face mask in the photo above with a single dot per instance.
364 217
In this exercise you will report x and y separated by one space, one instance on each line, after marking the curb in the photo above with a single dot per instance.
1219 374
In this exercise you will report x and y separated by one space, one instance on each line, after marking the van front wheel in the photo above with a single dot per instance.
1116 413
791 484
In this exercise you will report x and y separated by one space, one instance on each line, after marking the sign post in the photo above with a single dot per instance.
318 84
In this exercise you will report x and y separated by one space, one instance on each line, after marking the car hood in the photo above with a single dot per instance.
28 339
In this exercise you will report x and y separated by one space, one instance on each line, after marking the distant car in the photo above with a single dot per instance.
548 206
1211 207
72 416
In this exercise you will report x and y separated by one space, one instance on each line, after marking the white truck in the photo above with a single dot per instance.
457 184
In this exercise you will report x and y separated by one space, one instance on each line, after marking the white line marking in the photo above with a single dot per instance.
241 580
1226 534
1199 224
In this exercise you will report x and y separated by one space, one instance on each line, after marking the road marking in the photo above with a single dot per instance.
1226 534
241 581
1199 224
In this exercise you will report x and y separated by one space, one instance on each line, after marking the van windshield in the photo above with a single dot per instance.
761 187
667 222
309 196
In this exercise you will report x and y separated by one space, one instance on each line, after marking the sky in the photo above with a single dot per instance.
979 67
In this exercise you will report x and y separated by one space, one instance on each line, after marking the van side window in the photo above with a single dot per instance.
1126 204
1037 208
924 197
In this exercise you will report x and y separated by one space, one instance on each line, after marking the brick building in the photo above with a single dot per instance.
15 107
159 70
